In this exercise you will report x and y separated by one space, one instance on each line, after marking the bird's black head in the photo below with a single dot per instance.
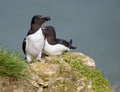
49 32
37 22
39 19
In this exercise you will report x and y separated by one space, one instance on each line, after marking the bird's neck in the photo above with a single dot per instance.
35 27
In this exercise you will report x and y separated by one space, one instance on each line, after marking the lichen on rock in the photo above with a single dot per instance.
70 72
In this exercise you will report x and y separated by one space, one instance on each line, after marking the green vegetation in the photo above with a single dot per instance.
12 65
99 83
69 69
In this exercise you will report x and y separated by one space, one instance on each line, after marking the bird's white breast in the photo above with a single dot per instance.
54 49
35 43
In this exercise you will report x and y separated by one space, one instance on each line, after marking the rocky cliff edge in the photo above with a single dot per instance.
70 72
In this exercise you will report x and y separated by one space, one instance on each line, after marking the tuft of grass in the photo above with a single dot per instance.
12 65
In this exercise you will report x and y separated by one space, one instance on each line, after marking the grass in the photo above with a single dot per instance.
12 65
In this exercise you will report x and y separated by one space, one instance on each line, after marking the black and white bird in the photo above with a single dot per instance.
34 41
53 45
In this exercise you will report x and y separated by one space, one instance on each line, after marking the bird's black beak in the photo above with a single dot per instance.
44 28
45 17
48 18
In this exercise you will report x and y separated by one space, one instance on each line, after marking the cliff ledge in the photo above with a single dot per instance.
70 72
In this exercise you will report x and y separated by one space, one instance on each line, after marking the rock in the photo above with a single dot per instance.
18 90
70 72
87 60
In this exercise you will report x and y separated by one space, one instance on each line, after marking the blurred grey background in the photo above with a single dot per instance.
94 26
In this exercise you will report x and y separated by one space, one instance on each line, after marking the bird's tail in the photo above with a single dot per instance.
70 45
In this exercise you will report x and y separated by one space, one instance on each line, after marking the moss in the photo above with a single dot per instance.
99 83
79 70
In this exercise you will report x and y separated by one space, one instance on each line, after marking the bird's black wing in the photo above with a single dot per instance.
62 41
24 46
65 43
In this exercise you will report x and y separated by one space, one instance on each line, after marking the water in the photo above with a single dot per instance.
94 26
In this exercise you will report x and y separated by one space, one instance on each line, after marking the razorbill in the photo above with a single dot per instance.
53 45
34 41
